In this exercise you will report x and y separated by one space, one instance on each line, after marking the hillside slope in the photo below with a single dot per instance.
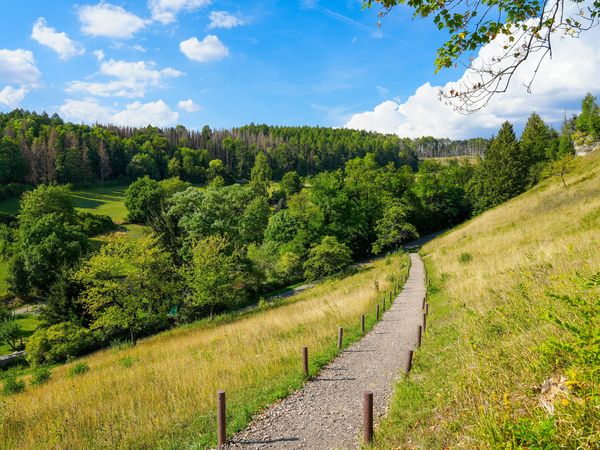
499 285
161 393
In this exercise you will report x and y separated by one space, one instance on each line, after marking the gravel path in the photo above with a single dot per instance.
327 412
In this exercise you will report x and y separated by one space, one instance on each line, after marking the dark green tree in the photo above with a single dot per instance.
502 174
12 163
144 200
260 177
48 240
290 183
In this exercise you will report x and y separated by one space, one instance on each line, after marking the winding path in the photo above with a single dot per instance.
327 412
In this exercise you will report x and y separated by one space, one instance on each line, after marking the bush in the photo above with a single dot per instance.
79 369
40 376
327 258
94 224
464 258
58 343
12 385
128 361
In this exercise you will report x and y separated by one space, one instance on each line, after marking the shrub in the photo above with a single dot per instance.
128 361
58 343
327 258
79 369
40 376
94 224
464 258
12 385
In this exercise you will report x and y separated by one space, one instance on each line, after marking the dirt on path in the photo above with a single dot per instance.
327 412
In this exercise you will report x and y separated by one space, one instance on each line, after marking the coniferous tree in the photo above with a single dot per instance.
534 144
502 174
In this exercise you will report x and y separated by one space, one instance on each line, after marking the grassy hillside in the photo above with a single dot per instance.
161 393
497 283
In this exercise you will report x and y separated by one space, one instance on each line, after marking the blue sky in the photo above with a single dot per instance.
276 62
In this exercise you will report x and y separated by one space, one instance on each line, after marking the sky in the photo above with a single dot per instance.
229 63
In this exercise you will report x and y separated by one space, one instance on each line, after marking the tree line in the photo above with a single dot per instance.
41 149
222 247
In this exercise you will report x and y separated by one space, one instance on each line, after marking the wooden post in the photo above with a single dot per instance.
426 308
384 303
419 336
305 360
362 323
221 419
408 362
368 416
377 312
340 337
424 323
390 298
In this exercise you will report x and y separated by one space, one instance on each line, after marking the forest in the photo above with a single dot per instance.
341 196
37 149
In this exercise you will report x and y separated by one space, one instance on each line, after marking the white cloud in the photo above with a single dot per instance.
87 111
165 11
562 80
11 97
208 49
135 114
188 105
99 54
222 19
17 68
141 114
59 42
109 21
131 79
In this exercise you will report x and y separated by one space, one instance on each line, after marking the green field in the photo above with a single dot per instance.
108 200
29 324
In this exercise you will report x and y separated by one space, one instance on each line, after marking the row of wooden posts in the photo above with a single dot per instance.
367 395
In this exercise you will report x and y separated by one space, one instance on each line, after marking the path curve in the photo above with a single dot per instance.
327 412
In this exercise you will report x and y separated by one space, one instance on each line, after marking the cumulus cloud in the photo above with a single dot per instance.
18 67
108 20
562 80
188 105
208 49
12 97
165 11
222 19
135 114
130 79
86 111
59 42
18 75
99 54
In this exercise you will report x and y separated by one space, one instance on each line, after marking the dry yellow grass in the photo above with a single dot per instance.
482 364
161 393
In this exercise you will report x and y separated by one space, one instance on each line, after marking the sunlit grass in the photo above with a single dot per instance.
161 393
482 363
